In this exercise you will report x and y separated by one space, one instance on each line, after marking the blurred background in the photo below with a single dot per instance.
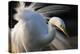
70 18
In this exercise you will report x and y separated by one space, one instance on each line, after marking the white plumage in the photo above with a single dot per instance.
31 33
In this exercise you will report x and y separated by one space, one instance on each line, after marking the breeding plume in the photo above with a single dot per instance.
32 33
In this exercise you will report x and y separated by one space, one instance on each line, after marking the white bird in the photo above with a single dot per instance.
61 38
31 33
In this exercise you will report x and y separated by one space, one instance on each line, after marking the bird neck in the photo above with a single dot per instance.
51 33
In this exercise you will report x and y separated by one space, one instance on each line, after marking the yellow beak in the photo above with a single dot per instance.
62 29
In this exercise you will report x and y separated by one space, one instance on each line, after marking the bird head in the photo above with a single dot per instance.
59 24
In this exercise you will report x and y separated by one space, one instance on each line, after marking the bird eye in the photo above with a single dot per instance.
62 26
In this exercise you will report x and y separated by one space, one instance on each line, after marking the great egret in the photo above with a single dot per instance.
31 33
